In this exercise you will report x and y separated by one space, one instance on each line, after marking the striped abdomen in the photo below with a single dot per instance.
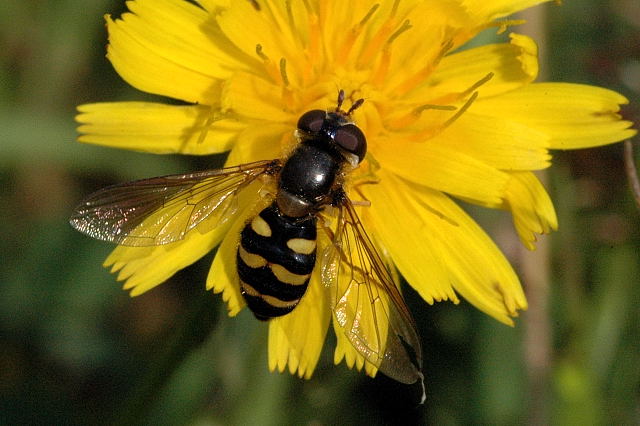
275 259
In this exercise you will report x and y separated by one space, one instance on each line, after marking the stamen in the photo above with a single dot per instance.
369 14
406 25
287 93
384 37
283 72
455 97
479 83
269 67
261 53
420 76
294 25
290 16
407 120
441 105
394 9
436 129
383 65
255 5
459 113
353 35
426 107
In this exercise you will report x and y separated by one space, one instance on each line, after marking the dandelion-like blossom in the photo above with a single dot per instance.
442 123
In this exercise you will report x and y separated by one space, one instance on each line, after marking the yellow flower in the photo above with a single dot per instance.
441 123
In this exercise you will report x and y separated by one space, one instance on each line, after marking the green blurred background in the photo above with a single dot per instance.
76 349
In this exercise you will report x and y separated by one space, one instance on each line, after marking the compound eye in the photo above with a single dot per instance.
312 121
350 138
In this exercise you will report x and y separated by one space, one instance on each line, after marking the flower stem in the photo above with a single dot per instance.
536 277
632 172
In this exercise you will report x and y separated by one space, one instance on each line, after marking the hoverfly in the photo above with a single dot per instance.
277 250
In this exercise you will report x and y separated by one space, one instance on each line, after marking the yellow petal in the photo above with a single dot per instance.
185 34
490 10
296 339
497 141
531 207
211 5
156 128
513 65
261 141
143 268
445 236
137 61
402 232
435 21
247 27
572 115
255 98
443 168
223 275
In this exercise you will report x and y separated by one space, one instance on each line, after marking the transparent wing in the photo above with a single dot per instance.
366 302
162 210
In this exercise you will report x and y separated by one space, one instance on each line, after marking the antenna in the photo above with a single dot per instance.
340 100
357 104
